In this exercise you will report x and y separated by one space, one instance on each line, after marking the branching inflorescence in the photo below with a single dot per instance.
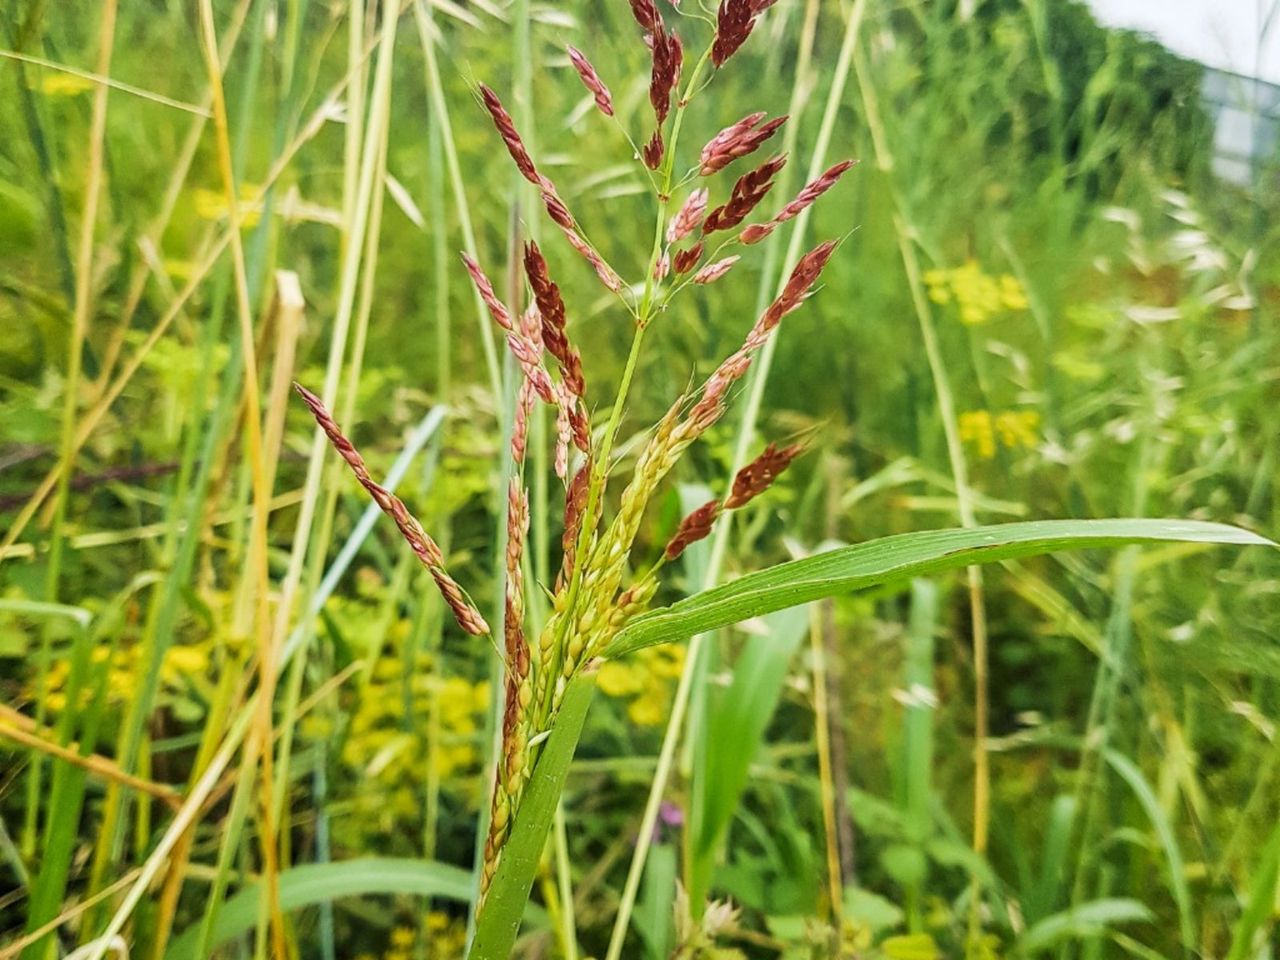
591 600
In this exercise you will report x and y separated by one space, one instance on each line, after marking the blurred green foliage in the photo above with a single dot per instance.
1107 311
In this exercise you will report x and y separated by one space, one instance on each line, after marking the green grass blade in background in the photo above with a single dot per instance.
736 726
1085 921
898 558
504 907
1131 775
1260 906
318 883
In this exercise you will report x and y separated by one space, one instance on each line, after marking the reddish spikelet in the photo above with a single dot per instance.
556 209
758 475
564 434
513 627
529 355
802 279
750 189
525 400
738 140
662 267
646 14
714 271
735 19
686 260
652 151
551 306
805 198
711 405
591 80
575 502
605 272
696 526
507 130
689 217
580 427
668 56
468 617
497 309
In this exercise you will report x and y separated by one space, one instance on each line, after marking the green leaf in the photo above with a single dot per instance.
315 883
911 946
738 718
1087 920
1131 775
898 558
1257 913
499 920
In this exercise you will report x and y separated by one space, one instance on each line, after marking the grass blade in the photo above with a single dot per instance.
898 558
317 883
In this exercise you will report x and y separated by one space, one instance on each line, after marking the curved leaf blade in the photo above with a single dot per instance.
898 558
315 883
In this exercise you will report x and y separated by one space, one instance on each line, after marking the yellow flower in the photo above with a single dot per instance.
647 710
403 937
619 679
976 428
978 296
1011 293
1017 428
212 204
61 84
1013 429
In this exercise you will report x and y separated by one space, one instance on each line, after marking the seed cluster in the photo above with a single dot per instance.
596 593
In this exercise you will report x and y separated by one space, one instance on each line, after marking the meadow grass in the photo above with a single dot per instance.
241 722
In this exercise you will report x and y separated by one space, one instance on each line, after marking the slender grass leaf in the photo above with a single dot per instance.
1262 897
1132 776
1087 920
317 883
499 920
898 558
736 727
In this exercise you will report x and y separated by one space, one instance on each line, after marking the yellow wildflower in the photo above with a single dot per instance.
403 937
1013 429
978 296
1017 428
212 204
61 84
618 679
976 428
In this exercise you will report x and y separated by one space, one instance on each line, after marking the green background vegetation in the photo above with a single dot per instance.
1104 309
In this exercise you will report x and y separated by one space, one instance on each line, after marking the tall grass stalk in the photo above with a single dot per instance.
746 431
82 307
256 581
906 234
199 273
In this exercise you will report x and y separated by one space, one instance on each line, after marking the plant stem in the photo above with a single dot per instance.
684 688
959 472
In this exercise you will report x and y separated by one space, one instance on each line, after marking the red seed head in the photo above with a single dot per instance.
735 19
653 150
686 260
510 136
689 217
591 80
747 193
696 526
423 546
497 309
646 14
668 56
738 140
758 475
714 271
